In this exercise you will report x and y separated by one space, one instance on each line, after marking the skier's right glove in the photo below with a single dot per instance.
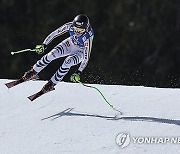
40 48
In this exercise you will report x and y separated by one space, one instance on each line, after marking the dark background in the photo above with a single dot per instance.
136 42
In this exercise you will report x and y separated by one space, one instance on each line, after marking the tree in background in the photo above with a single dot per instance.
136 42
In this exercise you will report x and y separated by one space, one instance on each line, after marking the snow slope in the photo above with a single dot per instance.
75 119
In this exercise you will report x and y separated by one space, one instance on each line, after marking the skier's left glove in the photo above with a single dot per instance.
75 77
40 48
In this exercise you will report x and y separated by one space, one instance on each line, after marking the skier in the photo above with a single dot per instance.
77 48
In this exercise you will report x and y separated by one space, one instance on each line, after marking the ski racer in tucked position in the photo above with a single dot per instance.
77 48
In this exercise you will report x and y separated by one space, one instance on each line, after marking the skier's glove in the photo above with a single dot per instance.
40 48
75 77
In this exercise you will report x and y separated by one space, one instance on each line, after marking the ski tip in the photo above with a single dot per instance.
14 83
9 85
30 98
38 94
35 96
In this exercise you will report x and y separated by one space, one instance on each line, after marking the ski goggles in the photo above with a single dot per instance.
79 30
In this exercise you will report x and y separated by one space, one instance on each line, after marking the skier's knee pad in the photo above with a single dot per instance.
68 62
51 56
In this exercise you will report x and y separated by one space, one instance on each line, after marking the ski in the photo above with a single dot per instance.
38 94
14 83
18 81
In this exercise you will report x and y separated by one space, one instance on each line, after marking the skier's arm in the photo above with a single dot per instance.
87 52
61 30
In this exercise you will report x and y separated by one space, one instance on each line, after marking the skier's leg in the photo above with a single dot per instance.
72 60
60 50
63 70
40 65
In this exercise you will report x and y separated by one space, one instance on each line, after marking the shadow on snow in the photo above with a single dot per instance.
69 112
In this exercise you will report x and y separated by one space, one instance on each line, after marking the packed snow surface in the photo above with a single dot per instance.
76 119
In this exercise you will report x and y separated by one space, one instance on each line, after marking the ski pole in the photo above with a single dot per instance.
20 51
101 95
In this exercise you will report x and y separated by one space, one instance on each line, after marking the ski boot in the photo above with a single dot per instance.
48 86
30 75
